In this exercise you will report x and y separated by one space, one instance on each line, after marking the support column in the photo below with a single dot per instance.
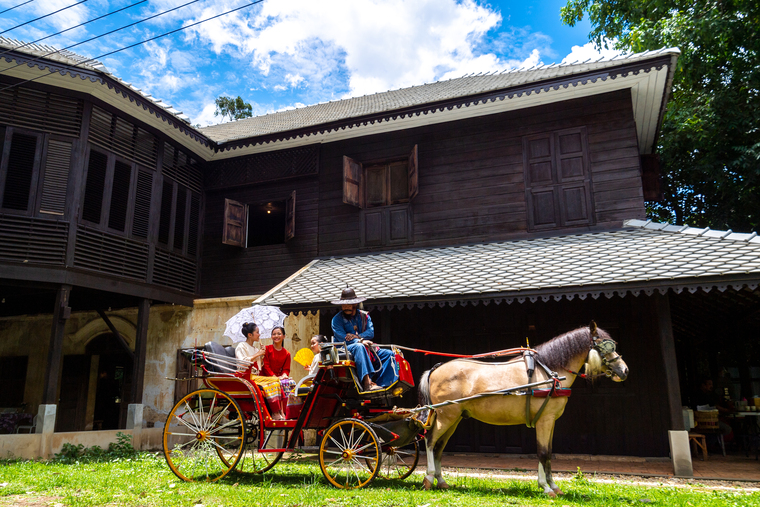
141 347
668 350
678 437
45 427
61 313
135 423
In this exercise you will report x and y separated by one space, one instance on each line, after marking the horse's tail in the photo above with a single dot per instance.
423 398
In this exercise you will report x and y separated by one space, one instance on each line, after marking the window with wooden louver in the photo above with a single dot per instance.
18 170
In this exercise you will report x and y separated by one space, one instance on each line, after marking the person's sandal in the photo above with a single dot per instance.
375 387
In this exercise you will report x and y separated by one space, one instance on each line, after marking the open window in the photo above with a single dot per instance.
382 183
265 223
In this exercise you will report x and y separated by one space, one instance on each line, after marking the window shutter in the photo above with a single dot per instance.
413 185
194 226
165 219
56 178
290 217
122 177
235 223
18 179
141 215
179 218
543 209
353 188
93 190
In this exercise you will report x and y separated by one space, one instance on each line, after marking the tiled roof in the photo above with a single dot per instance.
42 52
640 257
414 96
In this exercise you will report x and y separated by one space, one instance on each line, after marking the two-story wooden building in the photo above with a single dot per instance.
472 212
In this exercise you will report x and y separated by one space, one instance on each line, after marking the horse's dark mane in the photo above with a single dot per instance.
558 351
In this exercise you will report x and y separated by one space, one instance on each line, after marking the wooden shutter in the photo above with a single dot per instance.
93 190
56 178
165 218
143 194
22 159
179 218
235 223
122 179
195 224
573 176
540 181
353 188
413 184
290 216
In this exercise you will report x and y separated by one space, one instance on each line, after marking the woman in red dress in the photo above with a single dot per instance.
277 364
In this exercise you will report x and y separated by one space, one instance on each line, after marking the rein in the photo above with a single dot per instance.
485 355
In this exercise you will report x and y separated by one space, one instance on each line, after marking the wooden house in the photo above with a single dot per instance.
473 213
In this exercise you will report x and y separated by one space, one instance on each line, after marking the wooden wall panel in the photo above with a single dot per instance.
471 176
601 418
233 271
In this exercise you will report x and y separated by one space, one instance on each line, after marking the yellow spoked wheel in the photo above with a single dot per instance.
204 436
350 454
399 462
255 458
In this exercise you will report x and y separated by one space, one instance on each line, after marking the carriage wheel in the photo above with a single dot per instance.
349 454
252 460
399 462
204 436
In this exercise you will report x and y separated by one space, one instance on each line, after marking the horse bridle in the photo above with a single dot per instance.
606 347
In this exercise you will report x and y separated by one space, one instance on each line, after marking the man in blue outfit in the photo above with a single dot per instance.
376 367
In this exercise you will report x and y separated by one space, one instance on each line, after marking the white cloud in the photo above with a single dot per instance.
377 44
589 52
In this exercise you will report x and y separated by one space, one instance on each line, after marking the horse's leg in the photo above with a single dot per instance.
544 434
435 442
440 445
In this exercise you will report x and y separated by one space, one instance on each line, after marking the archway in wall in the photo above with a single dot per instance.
111 379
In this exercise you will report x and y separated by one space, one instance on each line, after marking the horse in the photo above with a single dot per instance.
563 355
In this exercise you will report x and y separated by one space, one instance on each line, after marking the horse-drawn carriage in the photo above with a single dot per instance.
227 425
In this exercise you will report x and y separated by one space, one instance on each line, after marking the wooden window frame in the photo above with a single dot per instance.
355 179
186 213
42 171
229 222
34 185
105 208
558 183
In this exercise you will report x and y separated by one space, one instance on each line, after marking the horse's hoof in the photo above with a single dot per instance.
559 491
442 485
551 494
427 484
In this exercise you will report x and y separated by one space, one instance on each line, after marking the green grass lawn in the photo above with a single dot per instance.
147 481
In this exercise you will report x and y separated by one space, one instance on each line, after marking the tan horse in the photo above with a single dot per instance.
461 378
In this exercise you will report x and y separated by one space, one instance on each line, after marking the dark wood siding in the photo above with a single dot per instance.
234 271
471 174
628 418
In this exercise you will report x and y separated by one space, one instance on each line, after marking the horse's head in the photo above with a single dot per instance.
603 357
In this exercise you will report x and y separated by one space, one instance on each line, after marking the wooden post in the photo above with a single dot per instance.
141 345
668 348
61 313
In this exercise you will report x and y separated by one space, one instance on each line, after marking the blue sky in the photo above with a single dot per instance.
282 54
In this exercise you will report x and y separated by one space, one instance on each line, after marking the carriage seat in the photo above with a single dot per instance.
216 348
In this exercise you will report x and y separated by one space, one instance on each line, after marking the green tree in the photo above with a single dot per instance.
709 144
236 109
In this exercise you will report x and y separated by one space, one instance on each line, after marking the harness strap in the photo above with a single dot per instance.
531 423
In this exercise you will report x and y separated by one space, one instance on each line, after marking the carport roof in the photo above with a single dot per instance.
640 257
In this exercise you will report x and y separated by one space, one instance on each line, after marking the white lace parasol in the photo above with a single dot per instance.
265 317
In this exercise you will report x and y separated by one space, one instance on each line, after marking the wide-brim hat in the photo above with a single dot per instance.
348 297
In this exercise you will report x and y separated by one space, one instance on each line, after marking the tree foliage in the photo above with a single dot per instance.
709 144
235 109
